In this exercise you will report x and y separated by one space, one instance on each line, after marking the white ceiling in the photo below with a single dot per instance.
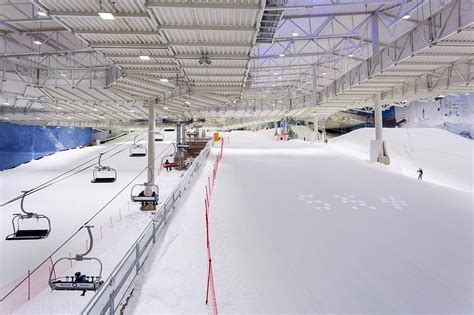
268 58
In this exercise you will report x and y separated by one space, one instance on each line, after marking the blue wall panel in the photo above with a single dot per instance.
22 143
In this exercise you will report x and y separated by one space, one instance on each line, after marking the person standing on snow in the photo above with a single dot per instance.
420 173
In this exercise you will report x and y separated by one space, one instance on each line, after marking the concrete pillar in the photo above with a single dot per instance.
151 144
378 145
378 117
316 128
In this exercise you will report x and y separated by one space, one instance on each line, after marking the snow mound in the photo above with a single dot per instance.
445 158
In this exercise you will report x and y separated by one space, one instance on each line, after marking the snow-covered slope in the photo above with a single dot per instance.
445 158
301 228
69 204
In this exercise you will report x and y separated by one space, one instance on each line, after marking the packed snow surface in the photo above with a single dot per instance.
69 203
297 227
446 158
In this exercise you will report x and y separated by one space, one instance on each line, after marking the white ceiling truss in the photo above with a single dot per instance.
267 58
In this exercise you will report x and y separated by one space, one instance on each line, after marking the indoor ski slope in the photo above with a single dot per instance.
69 204
301 228
446 158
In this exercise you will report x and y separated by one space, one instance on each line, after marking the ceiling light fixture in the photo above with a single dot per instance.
187 103
406 17
324 73
59 107
166 107
441 96
281 55
106 16
163 80
294 34
37 42
41 13
350 55
94 109
145 57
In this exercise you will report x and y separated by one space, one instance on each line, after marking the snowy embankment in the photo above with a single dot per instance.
446 158
300 228
69 204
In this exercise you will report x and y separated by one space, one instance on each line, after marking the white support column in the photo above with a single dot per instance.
378 117
378 146
151 143
316 128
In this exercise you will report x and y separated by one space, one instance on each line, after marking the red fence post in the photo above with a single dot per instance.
29 285
208 281
111 223
101 235
120 214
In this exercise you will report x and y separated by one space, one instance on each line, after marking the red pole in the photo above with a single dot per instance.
111 223
120 214
209 184
101 235
208 281
29 285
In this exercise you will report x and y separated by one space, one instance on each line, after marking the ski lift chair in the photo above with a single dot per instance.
137 150
147 193
71 283
159 137
22 233
103 174
173 155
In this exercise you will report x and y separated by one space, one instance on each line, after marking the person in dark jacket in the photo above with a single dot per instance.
80 278
142 194
167 163
420 173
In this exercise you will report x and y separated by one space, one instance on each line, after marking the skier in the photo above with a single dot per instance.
142 194
420 173
167 166
80 278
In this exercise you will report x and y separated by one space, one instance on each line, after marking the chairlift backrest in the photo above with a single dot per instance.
69 283
20 233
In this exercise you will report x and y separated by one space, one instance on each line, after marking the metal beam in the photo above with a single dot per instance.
191 5
96 14
128 45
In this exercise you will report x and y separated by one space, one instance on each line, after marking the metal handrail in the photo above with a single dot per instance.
114 282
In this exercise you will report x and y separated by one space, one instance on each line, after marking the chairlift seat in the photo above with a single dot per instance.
137 154
76 286
137 150
172 164
103 180
145 198
28 235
